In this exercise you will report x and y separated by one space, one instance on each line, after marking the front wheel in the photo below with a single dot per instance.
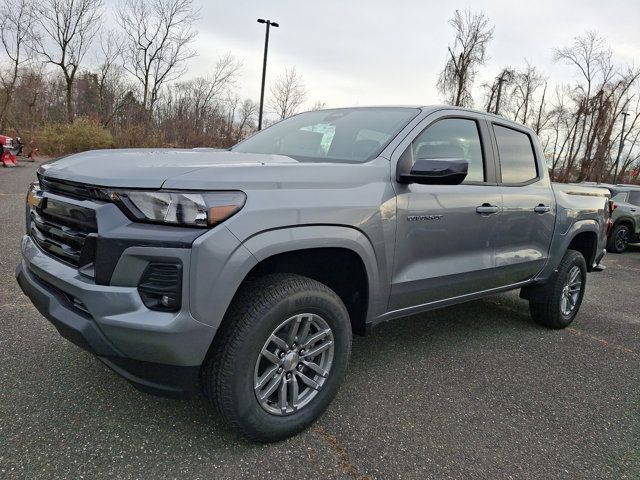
280 357
562 296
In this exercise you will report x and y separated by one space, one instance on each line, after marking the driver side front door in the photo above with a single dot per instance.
444 239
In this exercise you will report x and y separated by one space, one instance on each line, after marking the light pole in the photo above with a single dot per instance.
624 121
268 23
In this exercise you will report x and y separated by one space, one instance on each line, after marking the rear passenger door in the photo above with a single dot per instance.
526 222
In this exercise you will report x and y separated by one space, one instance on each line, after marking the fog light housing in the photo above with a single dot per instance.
160 287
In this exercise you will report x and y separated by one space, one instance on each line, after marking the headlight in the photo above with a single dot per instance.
190 209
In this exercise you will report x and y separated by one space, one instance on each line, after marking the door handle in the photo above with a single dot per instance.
632 209
541 209
487 209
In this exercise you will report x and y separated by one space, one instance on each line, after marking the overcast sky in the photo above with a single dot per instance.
362 52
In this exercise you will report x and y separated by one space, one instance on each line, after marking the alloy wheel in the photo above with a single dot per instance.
571 291
622 239
294 364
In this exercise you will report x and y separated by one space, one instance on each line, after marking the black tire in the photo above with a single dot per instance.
258 309
549 310
619 239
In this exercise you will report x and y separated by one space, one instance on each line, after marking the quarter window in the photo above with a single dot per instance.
453 138
517 161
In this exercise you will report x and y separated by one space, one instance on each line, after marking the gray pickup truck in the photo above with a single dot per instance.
243 273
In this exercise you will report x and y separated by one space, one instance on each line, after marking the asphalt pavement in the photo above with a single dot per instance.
472 391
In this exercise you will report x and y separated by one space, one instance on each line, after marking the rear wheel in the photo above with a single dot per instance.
561 298
619 239
280 357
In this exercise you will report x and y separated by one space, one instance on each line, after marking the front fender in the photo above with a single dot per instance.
282 240
220 263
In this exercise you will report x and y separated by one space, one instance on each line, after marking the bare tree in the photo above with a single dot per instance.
526 83
112 87
561 125
16 36
158 35
202 110
288 93
246 116
68 28
224 75
542 118
494 91
590 54
472 35
319 105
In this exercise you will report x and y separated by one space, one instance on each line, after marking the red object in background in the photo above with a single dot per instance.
8 156
635 172
8 159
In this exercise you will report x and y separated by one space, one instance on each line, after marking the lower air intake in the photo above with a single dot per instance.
161 286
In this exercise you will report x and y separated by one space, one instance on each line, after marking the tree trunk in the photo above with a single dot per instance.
539 120
69 101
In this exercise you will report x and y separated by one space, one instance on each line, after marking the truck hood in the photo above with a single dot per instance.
206 169
148 168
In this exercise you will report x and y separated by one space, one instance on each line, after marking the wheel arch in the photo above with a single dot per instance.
583 235
342 258
585 242
628 221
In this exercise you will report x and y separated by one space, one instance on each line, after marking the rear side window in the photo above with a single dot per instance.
619 196
453 138
517 161
634 198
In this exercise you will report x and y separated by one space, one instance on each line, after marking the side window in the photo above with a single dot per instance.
634 198
620 197
517 161
453 138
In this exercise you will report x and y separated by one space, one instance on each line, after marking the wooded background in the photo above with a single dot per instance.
69 84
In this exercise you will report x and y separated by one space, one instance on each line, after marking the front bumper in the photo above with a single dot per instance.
158 352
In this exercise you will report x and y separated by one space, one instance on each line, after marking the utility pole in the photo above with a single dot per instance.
268 23
624 122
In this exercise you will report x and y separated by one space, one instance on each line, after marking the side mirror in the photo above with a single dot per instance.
437 171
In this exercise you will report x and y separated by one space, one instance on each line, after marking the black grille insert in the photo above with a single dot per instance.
71 189
61 229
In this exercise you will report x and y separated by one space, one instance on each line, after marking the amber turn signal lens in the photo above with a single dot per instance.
221 212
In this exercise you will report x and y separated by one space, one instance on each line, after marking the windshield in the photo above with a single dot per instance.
341 135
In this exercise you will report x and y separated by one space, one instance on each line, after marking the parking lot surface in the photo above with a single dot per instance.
472 391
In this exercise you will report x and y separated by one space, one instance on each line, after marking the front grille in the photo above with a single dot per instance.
65 231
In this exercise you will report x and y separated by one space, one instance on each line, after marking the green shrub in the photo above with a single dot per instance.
83 134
